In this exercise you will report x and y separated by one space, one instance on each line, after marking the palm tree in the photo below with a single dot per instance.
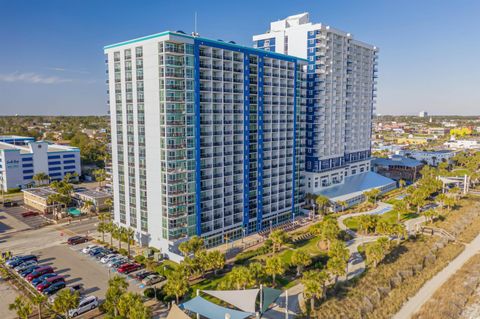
120 235
22 307
322 202
273 267
65 301
87 206
338 261
217 260
113 230
102 225
40 178
372 195
400 207
314 283
300 259
278 238
450 202
129 235
330 230
117 286
256 270
109 205
100 176
375 253
402 183
38 300
176 285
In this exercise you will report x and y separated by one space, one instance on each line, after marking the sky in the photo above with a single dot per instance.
52 61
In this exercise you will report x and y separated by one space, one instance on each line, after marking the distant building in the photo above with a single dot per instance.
23 158
423 114
463 144
432 158
439 131
398 167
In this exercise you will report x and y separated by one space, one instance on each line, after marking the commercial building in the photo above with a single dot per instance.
207 138
37 198
97 198
21 158
432 158
341 96
462 144
398 168
423 114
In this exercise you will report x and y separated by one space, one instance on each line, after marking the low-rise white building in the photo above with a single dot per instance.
20 161
432 158
462 144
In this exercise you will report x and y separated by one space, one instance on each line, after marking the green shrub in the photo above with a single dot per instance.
140 259
149 293
123 251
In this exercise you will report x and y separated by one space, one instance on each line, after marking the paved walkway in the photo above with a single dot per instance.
429 288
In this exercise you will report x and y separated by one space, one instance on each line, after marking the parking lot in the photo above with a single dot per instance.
14 214
78 267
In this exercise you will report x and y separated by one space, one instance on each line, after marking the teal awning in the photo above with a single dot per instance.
212 311
269 296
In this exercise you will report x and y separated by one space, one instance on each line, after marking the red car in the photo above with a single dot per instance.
30 213
49 281
39 272
128 268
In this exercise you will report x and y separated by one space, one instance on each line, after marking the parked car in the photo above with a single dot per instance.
128 268
144 274
10 204
40 279
87 249
73 289
53 288
29 214
48 282
28 271
102 254
116 262
107 258
96 251
14 262
25 265
152 280
39 272
75 240
86 304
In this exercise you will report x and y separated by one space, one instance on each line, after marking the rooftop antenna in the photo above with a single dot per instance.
195 33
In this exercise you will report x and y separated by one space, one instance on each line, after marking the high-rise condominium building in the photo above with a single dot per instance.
207 137
341 96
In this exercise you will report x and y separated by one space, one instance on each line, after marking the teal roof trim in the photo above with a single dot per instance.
226 44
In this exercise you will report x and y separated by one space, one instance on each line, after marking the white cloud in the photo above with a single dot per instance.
58 69
31 77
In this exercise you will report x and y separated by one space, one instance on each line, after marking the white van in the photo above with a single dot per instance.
85 304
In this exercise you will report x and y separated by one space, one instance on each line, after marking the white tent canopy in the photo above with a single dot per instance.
242 299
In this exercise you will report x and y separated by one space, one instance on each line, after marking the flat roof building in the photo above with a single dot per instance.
207 138
23 158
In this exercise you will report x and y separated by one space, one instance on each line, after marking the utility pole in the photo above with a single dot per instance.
286 304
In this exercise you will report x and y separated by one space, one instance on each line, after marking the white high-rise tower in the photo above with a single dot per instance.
340 96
